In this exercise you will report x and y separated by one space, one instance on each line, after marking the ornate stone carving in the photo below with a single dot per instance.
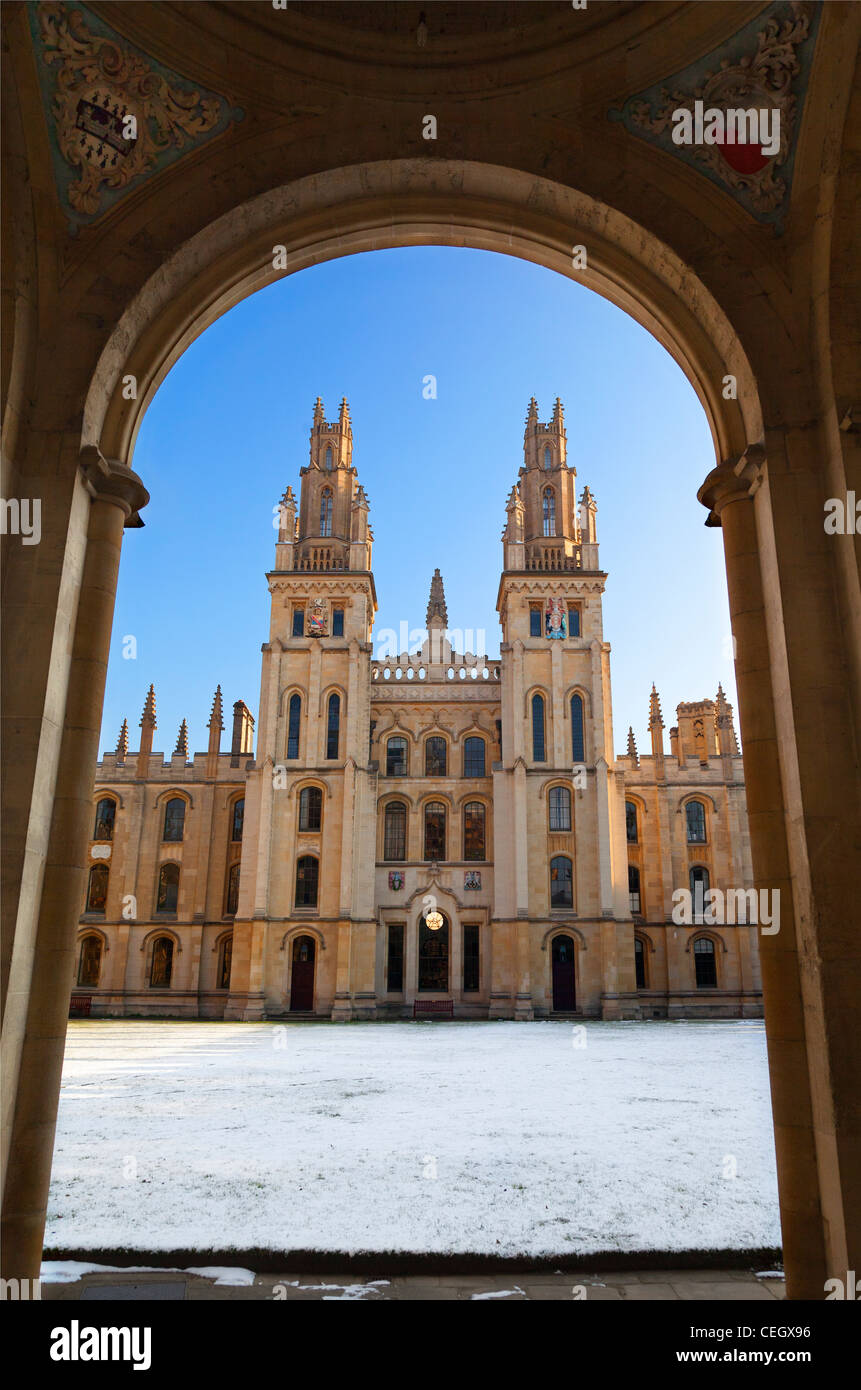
765 67
118 113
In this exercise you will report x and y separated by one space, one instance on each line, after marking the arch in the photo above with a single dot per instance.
236 816
293 731
97 888
474 820
585 696
310 807
696 821
561 882
563 971
231 897
435 829
302 968
705 961
713 936
397 765
160 958
567 930
396 818
326 505
475 761
333 688
224 959
548 511
633 812
578 727
284 696
302 929
435 754
169 792
307 881
560 807
538 713
167 887
389 203
333 725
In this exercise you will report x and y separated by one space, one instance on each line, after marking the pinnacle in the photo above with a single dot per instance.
217 713
437 612
123 740
148 716
182 740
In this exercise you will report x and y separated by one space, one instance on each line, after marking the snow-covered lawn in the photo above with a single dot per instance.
500 1138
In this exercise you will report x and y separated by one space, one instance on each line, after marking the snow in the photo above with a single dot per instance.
501 1138
70 1271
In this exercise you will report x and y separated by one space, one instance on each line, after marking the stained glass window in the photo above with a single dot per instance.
435 757
578 748
561 891
90 962
97 892
105 815
232 888
631 822
435 830
161 968
224 962
474 831
238 818
174 819
168 888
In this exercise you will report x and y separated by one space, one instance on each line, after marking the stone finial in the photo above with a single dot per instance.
344 416
632 748
725 725
123 742
558 414
319 413
532 413
182 740
148 716
437 614
655 716
216 717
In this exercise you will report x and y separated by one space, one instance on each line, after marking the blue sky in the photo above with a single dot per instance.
229 429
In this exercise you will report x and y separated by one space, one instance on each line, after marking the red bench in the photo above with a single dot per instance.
79 1005
443 1007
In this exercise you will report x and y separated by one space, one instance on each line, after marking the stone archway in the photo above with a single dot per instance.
669 249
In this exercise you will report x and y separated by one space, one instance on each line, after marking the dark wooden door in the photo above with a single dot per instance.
302 975
564 994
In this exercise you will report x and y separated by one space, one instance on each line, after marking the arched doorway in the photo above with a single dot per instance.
302 975
564 975
434 952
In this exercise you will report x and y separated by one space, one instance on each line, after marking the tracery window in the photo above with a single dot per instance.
435 757
326 511
232 889
106 812
90 962
97 890
168 888
548 508
238 819
161 967
631 822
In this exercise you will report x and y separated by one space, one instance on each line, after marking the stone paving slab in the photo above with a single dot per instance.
699 1285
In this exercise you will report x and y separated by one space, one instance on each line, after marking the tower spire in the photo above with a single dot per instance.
182 741
437 614
148 727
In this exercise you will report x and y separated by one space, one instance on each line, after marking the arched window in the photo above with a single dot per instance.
97 890
699 881
293 717
168 888
473 757
232 889
333 727
307 877
310 808
631 822
174 819
435 830
538 728
548 457
634 887
548 505
578 742
640 962
474 837
560 808
328 458
395 831
161 967
225 960
106 812
561 888
705 964
435 757
238 818
396 757
90 962
695 815
326 512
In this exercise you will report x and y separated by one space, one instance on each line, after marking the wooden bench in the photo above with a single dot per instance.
437 1007
79 1005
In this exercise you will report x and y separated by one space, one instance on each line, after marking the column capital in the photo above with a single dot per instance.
108 480
732 479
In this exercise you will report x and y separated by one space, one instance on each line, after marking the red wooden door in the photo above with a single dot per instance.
564 992
302 975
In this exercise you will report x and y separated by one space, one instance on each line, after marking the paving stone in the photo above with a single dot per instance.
639 1292
723 1292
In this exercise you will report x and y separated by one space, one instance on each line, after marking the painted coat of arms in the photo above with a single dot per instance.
555 624
318 619
118 113
472 879
396 880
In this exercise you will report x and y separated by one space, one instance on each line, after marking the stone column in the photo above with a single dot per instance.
116 495
728 491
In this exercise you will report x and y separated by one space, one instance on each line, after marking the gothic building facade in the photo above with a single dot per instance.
435 832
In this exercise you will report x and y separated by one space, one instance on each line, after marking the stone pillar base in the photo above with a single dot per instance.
364 1006
342 1008
245 1008
611 1007
500 1006
523 1010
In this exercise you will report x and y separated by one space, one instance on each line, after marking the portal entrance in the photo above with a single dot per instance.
564 991
433 956
302 975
